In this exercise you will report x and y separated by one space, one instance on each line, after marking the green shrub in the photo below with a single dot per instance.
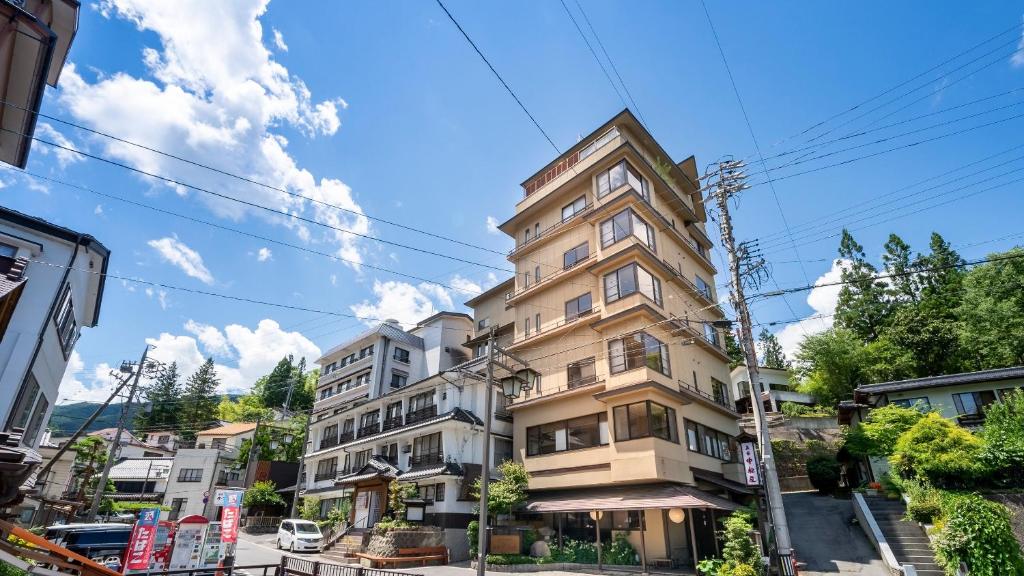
1004 438
385 525
473 535
877 435
11 570
823 473
575 551
977 532
940 451
925 501
741 570
739 549
794 410
709 566
506 559
620 552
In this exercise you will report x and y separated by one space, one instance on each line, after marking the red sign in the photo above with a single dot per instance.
140 547
229 525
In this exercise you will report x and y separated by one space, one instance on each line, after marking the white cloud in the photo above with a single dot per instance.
264 254
178 253
279 40
50 134
465 287
252 353
822 299
81 385
402 301
1017 59
159 294
98 210
212 89
492 225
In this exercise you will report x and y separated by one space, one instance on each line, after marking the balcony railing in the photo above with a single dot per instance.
553 276
346 437
328 442
687 388
547 231
421 414
369 430
424 460
391 423
586 381
328 475
565 321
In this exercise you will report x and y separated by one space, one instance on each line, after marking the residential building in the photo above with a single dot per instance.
34 51
167 439
958 397
614 304
51 285
775 385
140 479
202 467
131 446
46 503
426 430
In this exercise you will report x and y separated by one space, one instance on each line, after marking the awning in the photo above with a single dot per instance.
375 468
719 479
633 497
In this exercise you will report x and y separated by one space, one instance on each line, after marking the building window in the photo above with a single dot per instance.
8 251
703 287
711 334
536 322
583 432
218 443
399 379
326 393
362 379
421 401
536 230
626 224
401 355
483 323
973 403
526 279
22 411
575 255
163 439
577 206
390 453
176 505
645 419
190 475
579 306
326 469
720 392
526 326
619 175
631 279
526 236
536 274
360 459
368 351
638 350
348 426
710 442
67 326
427 492
439 492
393 412
581 373
502 449
368 423
426 450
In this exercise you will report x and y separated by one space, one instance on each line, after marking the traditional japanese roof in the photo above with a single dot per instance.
445 469
375 467
633 497
233 429
997 374
457 414
719 479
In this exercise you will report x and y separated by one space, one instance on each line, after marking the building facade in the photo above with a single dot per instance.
775 386
201 468
51 285
613 303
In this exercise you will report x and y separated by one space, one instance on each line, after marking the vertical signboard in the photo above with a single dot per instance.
140 546
229 516
751 467
188 543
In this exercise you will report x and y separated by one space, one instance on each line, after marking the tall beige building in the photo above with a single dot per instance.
613 303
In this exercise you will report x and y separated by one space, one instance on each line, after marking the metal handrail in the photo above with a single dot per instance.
369 430
421 414
693 389
391 423
544 233
426 459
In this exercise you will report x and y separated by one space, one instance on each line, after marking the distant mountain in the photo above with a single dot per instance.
66 418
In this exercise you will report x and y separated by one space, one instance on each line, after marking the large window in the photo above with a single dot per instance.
711 333
190 475
577 206
398 379
703 287
67 326
626 224
710 442
579 306
581 373
637 351
720 392
631 279
360 459
326 469
401 355
583 432
619 175
426 450
643 420
421 401
502 450
921 403
575 255
972 403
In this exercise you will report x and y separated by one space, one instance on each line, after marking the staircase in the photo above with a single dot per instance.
906 538
343 550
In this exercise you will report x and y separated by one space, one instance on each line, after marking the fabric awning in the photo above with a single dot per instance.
633 497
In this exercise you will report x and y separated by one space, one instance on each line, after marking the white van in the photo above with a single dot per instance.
299 535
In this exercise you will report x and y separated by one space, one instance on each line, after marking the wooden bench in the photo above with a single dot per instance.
411 555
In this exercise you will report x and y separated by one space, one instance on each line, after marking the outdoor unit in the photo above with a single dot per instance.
407 449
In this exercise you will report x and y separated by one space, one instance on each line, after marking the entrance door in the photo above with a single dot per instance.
374 513
704 532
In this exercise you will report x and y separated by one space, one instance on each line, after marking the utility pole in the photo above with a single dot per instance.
485 461
731 180
252 451
288 397
302 462
97 496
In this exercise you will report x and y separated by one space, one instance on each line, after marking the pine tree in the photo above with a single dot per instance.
199 401
903 286
273 388
163 397
772 355
863 307
733 349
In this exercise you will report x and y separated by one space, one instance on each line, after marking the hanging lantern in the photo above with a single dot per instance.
511 387
596 515
677 515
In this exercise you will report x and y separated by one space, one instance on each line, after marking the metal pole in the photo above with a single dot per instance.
643 541
302 462
597 528
288 397
98 493
727 185
485 464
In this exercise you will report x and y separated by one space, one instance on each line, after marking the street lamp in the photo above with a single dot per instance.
513 386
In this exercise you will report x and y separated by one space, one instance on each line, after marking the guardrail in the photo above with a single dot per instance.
291 566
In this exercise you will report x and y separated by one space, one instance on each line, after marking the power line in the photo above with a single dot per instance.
497 75
610 62
593 53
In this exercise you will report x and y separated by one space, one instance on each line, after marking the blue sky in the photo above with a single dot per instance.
384 109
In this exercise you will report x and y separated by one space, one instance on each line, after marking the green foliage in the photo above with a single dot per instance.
262 494
198 406
823 473
936 449
270 442
473 535
11 570
878 433
992 313
575 551
272 389
772 355
310 509
137 506
90 457
742 570
740 550
794 410
385 525
863 307
733 349
398 493
829 365
709 566
620 552
978 532
162 397
509 492
1003 434
791 457
509 559
247 408
339 514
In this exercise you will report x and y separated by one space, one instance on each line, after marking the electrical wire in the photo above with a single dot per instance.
611 62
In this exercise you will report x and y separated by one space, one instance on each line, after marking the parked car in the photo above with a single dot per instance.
299 535
102 543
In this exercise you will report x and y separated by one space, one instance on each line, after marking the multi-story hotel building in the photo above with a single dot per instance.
613 303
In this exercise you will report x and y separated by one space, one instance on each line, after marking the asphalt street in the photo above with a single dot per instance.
825 540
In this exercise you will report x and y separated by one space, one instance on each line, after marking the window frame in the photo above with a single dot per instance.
188 475
577 258
582 380
632 218
575 211
701 434
65 322
627 170
400 355
629 356
579 313
671 418
656 297
533 438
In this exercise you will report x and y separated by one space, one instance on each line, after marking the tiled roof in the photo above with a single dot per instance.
386 329
457 414
947 380
138 467
446 469
233 429
375 467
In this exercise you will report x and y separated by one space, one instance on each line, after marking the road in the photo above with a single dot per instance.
825 540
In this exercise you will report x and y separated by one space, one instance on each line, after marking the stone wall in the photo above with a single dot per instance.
387 545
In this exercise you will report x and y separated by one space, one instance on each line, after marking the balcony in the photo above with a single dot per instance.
342 371
329 442
421 414
555 327
547 281
693 391
327 475
580 382
347 436
425 460
391 423
225 479
369 430
547 232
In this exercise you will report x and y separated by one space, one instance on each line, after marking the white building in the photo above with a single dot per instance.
140 479
198 471
131 446
775 385
51 285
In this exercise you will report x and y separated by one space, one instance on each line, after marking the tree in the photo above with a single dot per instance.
398 493
772 355
878 433
938 450
992 313
261 496
733 349
1003 434
830 365
509 492
898 265
271 442
739 549
310 509
90 457
863 307
199 401
162 396
943 271
247 408
273 388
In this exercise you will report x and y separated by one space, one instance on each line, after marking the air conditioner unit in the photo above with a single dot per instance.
407 449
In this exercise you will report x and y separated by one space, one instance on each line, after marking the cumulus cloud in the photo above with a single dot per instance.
264 254
492 225
822 299
1018 57
98 210
399 300
248 353
465 287
179 254
279 40
81 385
50 134
210 88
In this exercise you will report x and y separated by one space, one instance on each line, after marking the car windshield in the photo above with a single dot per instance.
304 528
